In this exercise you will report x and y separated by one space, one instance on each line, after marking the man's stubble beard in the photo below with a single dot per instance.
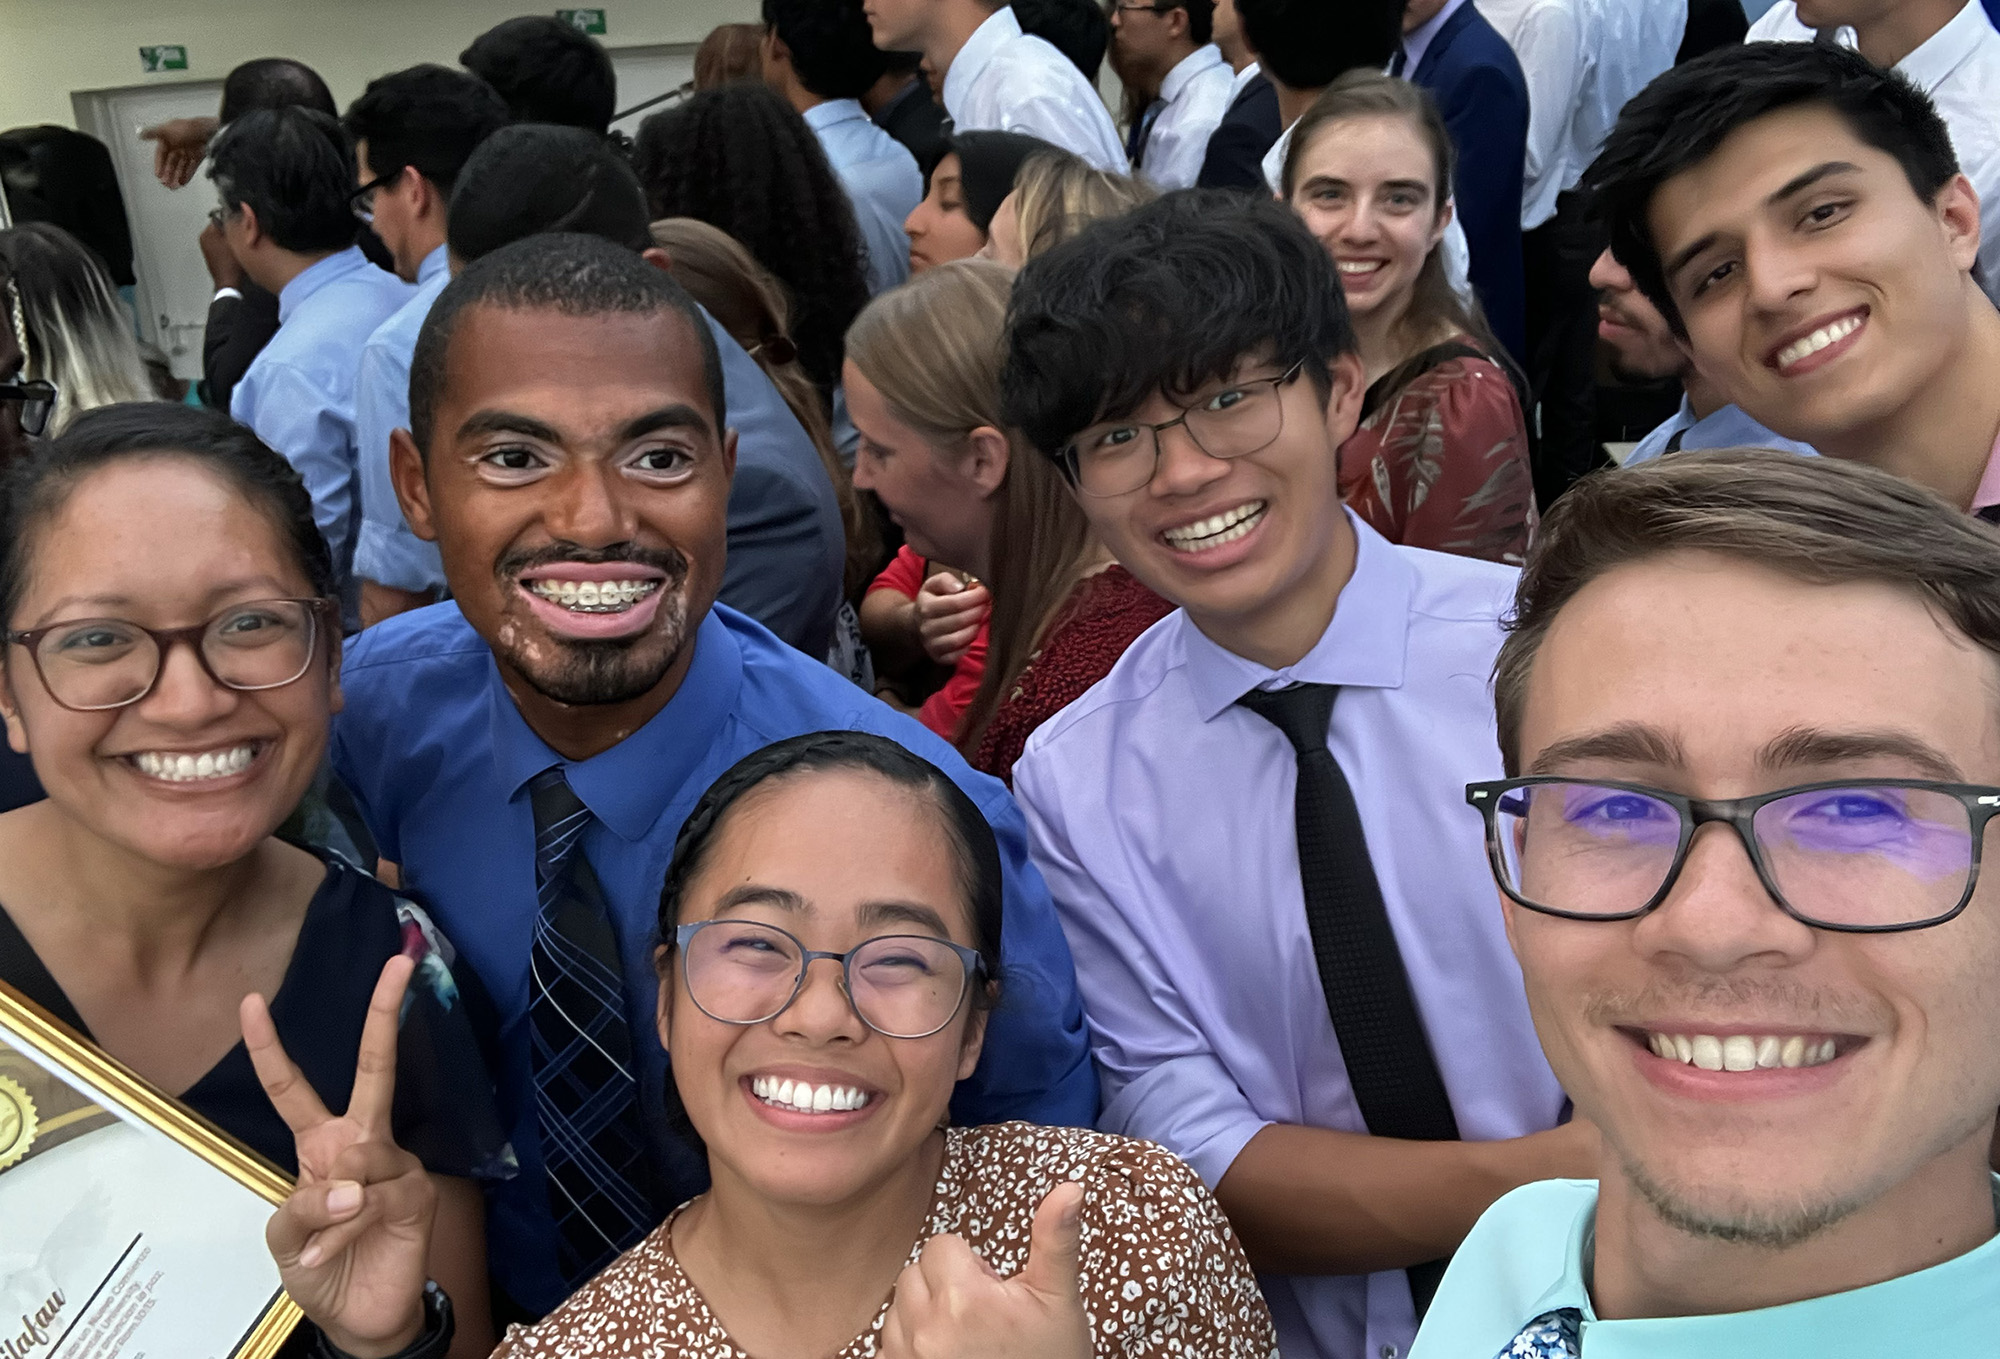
589 674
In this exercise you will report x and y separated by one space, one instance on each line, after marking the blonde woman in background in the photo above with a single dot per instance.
1056 195
70 325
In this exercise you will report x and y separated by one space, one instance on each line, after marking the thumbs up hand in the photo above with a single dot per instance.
951 1304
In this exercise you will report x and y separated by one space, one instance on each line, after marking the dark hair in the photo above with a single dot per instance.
1171 295
547 71
561 272
742 159
1075 28
273 83
34 488
430 117
833 50
534 177
294 169
965 829
1305 44
1201 18
1680 119
1824 521
988 164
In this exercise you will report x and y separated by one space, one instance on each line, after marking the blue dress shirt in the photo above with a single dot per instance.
299 394
1530 1253
439 760
385 551
1161 815
1729 427
882 182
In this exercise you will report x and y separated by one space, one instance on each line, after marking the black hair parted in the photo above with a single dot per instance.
1306 44
833 50
293 167
965 828
1174 294
741 159
34 488
430 117
537 177
563 272
547 71
273 83
1076 28
1679 121
1201 18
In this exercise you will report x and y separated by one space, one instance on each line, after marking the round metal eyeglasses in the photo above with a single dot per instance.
900 985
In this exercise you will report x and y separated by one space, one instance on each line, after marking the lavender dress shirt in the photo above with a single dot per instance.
1162 817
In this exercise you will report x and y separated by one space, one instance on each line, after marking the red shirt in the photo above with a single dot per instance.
944 710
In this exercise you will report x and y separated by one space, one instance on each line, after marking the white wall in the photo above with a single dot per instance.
50 51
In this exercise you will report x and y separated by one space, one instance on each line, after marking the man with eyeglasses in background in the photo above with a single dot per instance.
286 179
1752 700
1166 46
1282 924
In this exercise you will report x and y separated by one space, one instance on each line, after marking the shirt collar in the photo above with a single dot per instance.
1364 645
1945 50
629 786
980 49
315 276
824 115
1871 1320
1194 63
1418 41
435 263
1989 485
1244 77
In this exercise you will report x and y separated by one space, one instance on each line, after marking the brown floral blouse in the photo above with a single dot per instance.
1162 1273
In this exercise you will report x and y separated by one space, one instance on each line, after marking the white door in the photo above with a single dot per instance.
644 72
174 287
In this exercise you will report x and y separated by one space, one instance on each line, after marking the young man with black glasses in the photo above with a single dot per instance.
1323 1021
1751 697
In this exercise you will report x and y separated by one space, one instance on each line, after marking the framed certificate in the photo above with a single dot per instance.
129 1226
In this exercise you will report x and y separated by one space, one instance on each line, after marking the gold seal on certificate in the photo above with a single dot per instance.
131 1226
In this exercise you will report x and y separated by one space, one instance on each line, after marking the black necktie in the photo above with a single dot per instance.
1673 442
1990 513
1382 1042
1396 62
1135 144
586 1090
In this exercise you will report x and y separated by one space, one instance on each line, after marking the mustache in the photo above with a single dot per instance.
1730 1000
667 560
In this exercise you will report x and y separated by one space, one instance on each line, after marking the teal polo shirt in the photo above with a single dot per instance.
1526 1257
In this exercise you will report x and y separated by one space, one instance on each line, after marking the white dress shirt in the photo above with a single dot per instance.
1555 43
882 182
1193 98
1636 41
1161 815
1005 80
1959 68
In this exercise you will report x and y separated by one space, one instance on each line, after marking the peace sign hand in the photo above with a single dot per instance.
352 1241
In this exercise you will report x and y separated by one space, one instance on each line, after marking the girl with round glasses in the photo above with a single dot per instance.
830 939
170 665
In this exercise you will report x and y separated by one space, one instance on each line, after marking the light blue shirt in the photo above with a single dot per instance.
1729 427
882 181
1161 815
299 393
385 551
1418 40
1528 1255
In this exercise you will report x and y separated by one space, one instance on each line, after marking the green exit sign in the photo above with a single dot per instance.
165 57
583 20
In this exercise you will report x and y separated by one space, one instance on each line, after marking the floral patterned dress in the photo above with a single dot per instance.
1162 1274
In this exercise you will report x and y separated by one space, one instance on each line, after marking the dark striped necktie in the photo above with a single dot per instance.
586 1088
1990 513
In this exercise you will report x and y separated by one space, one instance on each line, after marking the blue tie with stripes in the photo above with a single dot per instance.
586 1093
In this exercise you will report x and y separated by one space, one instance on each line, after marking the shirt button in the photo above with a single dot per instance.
1388 1352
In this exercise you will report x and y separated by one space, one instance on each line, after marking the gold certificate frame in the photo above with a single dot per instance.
96 1165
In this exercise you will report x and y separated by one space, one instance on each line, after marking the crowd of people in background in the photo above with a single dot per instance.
911 715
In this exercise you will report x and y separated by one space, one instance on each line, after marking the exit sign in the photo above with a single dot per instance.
165 57
583 20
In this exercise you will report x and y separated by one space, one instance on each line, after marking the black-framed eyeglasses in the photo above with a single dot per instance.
362 201
38 402
1234 421
1870 856
92 664
900 985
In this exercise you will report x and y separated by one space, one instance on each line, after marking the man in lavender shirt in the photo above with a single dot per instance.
1192 370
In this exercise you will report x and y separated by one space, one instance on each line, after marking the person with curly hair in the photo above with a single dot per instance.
741 159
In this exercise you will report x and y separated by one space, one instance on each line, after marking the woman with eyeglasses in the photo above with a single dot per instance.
830 931
171 664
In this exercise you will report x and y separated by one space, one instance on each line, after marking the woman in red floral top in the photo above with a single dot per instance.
1440 459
